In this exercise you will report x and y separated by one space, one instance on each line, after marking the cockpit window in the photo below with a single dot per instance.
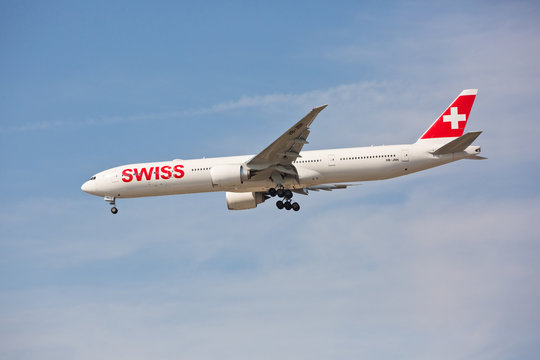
93 178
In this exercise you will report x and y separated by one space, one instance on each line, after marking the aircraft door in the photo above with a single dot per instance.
331 160
405 155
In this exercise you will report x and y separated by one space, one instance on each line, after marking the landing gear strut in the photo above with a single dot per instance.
111 201
287 195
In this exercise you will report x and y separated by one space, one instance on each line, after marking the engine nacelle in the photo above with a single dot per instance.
229 175
243 201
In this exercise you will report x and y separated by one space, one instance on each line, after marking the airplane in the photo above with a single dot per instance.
283 169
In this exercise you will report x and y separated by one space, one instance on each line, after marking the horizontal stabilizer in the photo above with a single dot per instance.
459 144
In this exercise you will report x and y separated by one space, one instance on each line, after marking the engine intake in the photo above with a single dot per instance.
229 175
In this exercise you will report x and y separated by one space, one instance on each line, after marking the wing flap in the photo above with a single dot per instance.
476 157
328 187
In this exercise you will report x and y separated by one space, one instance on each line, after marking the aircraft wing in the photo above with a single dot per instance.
281 153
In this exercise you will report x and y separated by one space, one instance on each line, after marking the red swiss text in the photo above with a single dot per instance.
154 172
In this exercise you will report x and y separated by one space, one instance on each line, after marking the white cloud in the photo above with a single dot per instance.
308 99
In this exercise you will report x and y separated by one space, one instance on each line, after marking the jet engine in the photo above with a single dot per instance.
229 175
244 200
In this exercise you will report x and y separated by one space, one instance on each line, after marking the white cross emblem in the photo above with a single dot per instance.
454 118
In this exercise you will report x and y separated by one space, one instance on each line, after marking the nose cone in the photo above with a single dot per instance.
89 187
86 187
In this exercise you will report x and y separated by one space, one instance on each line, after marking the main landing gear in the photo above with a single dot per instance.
111 201
287 195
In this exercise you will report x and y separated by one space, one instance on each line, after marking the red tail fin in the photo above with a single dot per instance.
452 121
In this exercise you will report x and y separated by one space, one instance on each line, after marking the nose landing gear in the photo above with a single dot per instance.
111 201
287 195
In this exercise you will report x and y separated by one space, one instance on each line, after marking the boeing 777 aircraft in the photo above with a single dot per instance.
283 169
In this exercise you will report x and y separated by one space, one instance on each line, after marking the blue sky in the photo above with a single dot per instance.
441 264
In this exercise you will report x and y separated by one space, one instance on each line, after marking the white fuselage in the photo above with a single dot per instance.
314 168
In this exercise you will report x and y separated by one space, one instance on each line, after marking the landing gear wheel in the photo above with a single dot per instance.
288 194
295 206
288 205
272 192
112 202
279 204
280 193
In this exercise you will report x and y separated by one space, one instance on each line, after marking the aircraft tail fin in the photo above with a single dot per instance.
452 122
459 144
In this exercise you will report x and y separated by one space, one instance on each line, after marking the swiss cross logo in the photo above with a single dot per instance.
452 121
454 118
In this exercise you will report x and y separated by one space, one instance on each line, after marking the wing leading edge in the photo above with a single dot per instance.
286 149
